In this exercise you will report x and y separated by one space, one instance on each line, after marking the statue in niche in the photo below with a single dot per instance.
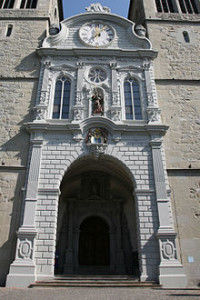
97 104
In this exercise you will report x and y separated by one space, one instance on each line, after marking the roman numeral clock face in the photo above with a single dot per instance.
96 34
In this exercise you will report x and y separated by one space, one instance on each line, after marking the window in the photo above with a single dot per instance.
186 36
167 6
7 3
189 6
28 4
97 75
132 100
178 6
62 98
9 30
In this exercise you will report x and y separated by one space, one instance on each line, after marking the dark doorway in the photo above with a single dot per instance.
94 243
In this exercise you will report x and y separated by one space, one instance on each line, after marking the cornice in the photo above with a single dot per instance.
80 52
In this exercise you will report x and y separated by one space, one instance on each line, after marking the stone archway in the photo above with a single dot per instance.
96 214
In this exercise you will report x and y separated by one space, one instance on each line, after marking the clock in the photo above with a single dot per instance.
96 34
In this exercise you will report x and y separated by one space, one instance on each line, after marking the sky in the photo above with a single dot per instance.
74 7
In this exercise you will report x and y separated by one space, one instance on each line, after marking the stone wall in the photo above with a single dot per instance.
179 102
176 58
185 187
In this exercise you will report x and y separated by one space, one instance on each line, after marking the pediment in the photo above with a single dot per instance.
125 36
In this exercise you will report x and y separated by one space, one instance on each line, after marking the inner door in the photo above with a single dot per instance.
94 243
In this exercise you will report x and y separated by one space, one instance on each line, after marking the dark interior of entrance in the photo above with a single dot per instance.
96 231
94 243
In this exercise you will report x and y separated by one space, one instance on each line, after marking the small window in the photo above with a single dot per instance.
178 6
62 98
189 6
132 100
9 30
186 36
28 4
167 6
7 3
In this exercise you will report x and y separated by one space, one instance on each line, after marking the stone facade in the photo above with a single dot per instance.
96 164
91 159
177 82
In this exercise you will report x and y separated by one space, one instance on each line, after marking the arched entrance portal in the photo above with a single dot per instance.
96 231
94 243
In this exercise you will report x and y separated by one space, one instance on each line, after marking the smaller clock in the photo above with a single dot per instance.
96 34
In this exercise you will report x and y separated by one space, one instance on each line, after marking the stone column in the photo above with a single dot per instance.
22 270
171 271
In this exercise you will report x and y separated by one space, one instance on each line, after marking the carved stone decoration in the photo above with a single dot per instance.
140 30
78 114
96 140
153 115
43 98
168 250
151 100
97 7
116 115
25 249
115 99
146 64
40 113
78 98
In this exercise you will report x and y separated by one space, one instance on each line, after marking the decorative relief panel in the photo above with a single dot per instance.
168 250
25 250
96 140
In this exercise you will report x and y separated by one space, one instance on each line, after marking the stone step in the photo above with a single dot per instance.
93 281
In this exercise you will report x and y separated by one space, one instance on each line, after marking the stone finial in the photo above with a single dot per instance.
54 29
140 30
97 7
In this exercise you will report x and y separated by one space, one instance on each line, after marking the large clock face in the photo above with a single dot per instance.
96 34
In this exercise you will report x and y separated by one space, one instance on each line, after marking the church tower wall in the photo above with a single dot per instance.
174 32
21 33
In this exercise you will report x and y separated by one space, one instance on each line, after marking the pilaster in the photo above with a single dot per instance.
22 270
171 270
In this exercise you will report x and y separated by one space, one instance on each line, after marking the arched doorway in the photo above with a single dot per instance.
94 243
96 220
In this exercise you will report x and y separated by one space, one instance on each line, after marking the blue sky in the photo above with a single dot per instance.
74 7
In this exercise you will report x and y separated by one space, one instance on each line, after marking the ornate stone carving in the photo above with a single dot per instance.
96 140
25 249
97 7
150 98
78 114
43 98
40 113
168 250
78 98
154 115
116 114
115 98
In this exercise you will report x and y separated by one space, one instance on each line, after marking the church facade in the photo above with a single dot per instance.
96 196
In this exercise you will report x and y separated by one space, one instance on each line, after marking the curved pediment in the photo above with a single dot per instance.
121 31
